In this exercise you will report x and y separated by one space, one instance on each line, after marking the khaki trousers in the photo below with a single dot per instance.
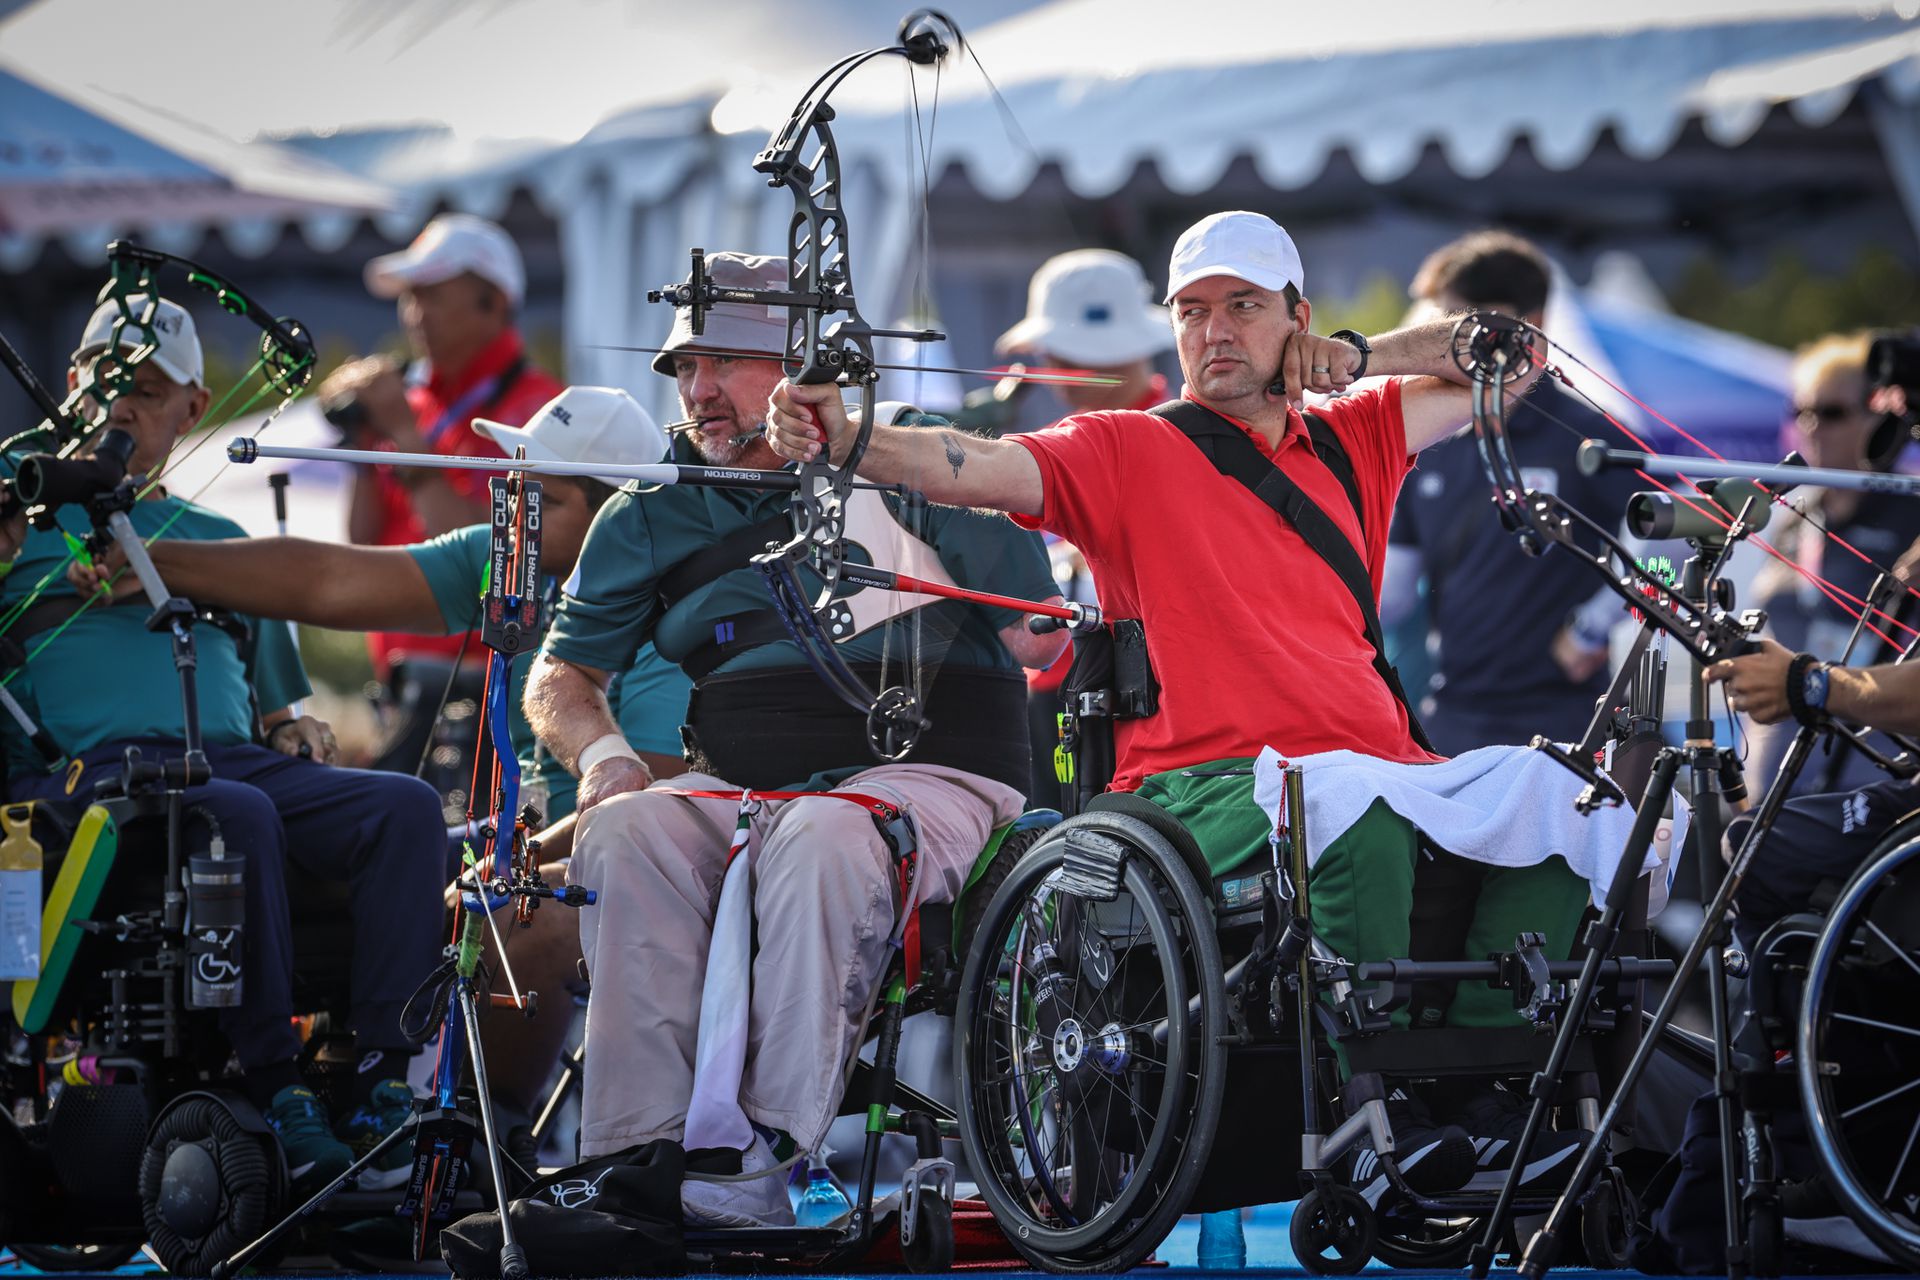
825 903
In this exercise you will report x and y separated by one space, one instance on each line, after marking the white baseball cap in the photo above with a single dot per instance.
177 351
1090 306
584 424
1246 246
449 245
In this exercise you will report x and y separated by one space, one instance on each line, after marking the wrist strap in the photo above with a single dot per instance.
607 746
1797 689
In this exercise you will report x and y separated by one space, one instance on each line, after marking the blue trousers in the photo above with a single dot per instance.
382 833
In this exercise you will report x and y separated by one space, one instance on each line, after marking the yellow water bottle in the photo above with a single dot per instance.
20 861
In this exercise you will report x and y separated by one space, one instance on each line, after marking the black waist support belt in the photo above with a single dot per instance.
774 728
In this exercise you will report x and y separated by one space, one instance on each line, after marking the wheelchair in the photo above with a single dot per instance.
1142 1036
1833 1037
120 1125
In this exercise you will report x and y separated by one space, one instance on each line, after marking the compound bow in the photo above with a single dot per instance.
803 157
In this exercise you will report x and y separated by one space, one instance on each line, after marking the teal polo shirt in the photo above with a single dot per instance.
107 679
611 608
648 695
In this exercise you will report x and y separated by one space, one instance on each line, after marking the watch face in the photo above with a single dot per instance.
1816 688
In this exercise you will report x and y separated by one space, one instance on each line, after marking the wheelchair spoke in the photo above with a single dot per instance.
1894 1027
1891 945
1888 1096
1905 1152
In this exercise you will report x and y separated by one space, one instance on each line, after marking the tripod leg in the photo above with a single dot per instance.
1599 942
513 1259
1704 785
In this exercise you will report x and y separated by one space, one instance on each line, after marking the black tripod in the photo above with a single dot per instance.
1712 772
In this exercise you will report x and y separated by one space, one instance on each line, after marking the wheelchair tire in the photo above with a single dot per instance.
209 1184
75 1257
1332 1231
1856 1052
1606 1223
1424 1243
1086 1064
979 895
932 1249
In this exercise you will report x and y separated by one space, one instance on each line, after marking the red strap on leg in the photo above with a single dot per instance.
881 809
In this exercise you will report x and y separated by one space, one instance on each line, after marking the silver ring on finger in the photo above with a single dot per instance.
1321 368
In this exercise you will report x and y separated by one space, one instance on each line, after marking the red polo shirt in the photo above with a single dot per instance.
499 384
1255 640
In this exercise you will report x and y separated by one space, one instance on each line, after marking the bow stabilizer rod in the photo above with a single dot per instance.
1596 455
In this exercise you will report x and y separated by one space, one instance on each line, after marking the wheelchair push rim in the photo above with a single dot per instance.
1858 1048
1087 1105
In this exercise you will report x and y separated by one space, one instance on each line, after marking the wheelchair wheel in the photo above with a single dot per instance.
1422 1243
932 1249
1332 1231
209 1183
75 1257
1858 1046
1607 1221
1088 1046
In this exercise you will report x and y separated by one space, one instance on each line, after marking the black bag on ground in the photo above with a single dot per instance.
614 1215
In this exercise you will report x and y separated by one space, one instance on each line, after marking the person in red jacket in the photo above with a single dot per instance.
459 286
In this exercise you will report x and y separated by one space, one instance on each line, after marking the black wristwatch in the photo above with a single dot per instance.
1359 343
1807 688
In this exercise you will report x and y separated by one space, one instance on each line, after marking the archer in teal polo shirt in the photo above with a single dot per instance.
648 697
106 678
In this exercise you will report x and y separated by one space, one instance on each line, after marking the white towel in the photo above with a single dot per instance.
1504 806
714 1117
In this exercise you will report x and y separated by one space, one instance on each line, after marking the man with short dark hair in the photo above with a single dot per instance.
1523 639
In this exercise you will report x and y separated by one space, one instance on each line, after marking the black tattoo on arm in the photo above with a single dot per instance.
956 456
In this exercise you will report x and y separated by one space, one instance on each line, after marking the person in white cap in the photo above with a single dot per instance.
674 567
105 681
459 286
1093 309
434 586
1247 540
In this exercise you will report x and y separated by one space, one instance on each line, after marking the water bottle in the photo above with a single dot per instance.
1223 1241
216 912
823 1204
20 872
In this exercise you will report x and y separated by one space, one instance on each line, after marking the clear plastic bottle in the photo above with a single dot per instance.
823 1204
1223 1241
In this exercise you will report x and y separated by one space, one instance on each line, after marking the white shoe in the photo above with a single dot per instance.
749 1202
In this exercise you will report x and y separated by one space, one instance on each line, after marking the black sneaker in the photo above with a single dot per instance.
1433 1158
1496 1117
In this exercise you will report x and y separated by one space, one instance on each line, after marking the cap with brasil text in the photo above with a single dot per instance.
1246 246
584 424
177 340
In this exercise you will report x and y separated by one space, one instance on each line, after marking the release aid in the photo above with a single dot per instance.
20 864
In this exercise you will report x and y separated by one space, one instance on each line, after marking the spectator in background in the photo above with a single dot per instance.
1523 639
1090 309
460 285
1835 426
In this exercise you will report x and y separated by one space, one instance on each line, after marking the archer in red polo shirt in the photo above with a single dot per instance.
1254 639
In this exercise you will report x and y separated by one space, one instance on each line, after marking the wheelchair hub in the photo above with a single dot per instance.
1109 1049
